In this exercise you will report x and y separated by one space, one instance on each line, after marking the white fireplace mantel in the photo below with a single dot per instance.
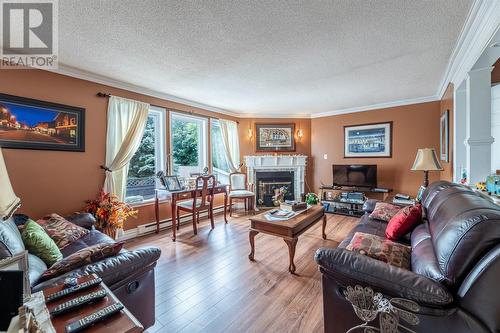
269 163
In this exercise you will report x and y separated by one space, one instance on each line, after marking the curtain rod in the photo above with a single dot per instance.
102 94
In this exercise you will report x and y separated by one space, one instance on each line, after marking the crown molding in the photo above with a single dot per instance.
480 26
373 107
92 77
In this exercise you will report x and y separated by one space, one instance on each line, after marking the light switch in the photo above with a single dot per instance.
325 156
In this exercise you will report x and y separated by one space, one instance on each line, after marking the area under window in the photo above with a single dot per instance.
148 159
220 166
189 144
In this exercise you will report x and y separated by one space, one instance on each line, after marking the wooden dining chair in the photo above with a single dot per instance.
203 199
239 189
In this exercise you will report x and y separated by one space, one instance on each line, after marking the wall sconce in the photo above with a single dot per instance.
250 133
300 134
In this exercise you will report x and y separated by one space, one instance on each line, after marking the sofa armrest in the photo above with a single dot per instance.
112 269
351 268
369 205
84 220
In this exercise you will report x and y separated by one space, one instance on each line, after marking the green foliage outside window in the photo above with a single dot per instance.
143 163
185 142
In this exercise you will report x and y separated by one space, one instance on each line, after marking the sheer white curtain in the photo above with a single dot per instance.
9 202
229 130
126 122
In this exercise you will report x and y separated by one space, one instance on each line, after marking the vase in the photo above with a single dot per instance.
110 231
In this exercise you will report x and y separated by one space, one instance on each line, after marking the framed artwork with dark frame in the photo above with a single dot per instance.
18 262
444 136
275 137
368 140
27 123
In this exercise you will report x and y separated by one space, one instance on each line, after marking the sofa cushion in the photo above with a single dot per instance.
403 222
84 220
382 249
93 237
423 258
11 242
61 231
384 211
36 268
366 225
83 257
40 244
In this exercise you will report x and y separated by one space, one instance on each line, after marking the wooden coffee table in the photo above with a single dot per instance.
289 230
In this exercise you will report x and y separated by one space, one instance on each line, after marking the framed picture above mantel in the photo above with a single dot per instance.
27 123
368 140
275 137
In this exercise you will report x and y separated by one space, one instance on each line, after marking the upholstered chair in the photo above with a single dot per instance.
239 189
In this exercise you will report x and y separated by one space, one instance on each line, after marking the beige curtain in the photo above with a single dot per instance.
9 202
126 122
231 143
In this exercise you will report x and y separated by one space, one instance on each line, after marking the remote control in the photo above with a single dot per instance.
77 302
95 317
71 290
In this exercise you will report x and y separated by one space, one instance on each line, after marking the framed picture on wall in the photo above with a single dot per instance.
444 136
275 137
368 140
32 124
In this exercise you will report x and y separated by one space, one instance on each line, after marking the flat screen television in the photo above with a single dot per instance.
355 175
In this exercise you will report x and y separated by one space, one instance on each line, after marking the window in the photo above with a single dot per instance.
220 165
189 144
148 159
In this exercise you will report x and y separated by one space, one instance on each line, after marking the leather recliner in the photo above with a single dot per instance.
129 274
455 266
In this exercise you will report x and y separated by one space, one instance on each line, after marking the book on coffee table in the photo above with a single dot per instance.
293 205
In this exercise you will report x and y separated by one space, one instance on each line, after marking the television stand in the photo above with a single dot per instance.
330 198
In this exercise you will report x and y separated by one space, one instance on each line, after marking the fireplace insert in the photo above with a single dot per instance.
266 182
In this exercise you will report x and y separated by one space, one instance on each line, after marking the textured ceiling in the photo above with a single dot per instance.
266 57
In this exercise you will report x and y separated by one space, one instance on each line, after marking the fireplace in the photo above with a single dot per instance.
266 182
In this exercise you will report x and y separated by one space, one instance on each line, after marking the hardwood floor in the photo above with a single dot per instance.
206 283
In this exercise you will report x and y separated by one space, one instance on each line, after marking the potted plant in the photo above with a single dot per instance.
109 212
312 199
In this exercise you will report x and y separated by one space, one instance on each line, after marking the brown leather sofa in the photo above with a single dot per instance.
455 266
130 274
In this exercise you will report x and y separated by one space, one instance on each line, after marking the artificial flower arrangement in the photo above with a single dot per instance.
109 212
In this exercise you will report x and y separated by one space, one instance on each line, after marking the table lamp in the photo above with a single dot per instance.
426 161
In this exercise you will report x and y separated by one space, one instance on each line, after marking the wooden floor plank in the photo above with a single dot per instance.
205 283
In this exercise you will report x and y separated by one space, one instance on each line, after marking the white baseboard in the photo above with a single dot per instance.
150 228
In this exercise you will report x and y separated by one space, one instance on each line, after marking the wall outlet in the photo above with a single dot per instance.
325 156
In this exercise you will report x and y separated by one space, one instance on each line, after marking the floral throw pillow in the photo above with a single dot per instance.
61 230
384 211
382 249
83 257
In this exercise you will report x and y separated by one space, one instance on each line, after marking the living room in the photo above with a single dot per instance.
179 156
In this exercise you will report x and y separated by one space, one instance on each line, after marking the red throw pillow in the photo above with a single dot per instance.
403 222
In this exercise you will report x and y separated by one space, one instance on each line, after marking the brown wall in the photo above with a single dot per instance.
55 181
446 103
414 126
303 146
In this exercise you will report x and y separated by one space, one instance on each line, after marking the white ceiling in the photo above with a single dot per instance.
267 58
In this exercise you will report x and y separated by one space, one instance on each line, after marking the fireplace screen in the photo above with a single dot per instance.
269 181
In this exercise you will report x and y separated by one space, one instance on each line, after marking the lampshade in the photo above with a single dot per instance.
426 160
9 202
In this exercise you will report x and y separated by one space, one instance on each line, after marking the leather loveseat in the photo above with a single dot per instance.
455 266
130 274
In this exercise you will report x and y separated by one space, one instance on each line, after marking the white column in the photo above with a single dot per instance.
460 132
478 119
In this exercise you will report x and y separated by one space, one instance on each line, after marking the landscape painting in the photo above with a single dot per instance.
275 137
370 140
32 124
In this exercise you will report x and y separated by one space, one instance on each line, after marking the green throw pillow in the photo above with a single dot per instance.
40 244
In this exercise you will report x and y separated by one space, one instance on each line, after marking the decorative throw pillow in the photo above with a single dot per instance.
382 249
403 222
37 242
83 257
384 211
61 230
